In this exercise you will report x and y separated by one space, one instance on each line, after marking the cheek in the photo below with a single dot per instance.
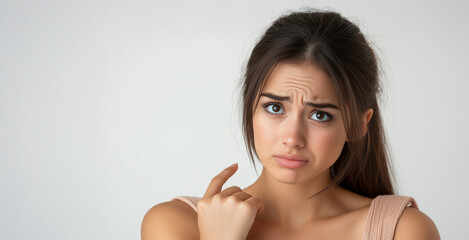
263 135
328 143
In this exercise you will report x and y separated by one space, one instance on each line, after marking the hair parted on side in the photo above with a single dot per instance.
338 47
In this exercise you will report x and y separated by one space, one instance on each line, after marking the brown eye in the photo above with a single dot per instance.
272 108
321 116
276 108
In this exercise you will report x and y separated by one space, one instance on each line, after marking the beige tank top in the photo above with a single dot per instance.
381 221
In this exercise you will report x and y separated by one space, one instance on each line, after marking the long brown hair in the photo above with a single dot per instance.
338 47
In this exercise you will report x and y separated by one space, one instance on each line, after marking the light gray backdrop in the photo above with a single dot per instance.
110 107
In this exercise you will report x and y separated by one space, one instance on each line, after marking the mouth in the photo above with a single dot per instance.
292 157
291 161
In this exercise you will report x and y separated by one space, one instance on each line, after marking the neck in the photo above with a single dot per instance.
290 205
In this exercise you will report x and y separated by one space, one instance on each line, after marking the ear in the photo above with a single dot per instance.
366 119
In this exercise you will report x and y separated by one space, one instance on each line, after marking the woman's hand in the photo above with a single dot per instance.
228 214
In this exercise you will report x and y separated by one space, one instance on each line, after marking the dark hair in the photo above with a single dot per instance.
337 46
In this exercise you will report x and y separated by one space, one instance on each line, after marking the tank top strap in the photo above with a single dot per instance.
191 201
385 211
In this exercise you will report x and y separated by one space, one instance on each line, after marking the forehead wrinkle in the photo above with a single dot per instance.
293 81
304 88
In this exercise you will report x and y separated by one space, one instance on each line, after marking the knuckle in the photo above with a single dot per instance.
245 207
232 199
217 198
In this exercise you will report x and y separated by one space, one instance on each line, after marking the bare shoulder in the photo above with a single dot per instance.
414 224
170 220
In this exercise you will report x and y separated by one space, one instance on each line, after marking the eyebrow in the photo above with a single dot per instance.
316 105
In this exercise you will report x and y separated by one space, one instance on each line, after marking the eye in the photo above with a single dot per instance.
275 107
321 116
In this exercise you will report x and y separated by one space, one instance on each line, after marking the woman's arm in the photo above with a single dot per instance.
415 225
170 220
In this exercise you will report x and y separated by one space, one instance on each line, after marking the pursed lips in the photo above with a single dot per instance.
292 157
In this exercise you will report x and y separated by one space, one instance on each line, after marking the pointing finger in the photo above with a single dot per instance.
217 182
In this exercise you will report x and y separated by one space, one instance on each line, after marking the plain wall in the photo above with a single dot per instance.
110 107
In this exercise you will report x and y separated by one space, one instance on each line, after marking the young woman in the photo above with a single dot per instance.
311 116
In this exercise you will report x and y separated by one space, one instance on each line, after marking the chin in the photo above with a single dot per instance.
287 176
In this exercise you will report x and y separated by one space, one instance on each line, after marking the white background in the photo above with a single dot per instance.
110 107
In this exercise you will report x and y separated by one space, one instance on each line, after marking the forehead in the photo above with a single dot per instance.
303 80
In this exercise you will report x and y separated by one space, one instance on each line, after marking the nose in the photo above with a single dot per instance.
294 133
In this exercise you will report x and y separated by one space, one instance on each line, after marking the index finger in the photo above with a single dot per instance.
217 182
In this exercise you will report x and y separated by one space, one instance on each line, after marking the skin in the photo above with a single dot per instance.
278 204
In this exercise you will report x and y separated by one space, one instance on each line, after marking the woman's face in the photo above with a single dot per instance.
292 126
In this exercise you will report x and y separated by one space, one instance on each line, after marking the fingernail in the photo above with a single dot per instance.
235 164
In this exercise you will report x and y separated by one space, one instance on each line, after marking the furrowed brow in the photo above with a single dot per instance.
282 98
